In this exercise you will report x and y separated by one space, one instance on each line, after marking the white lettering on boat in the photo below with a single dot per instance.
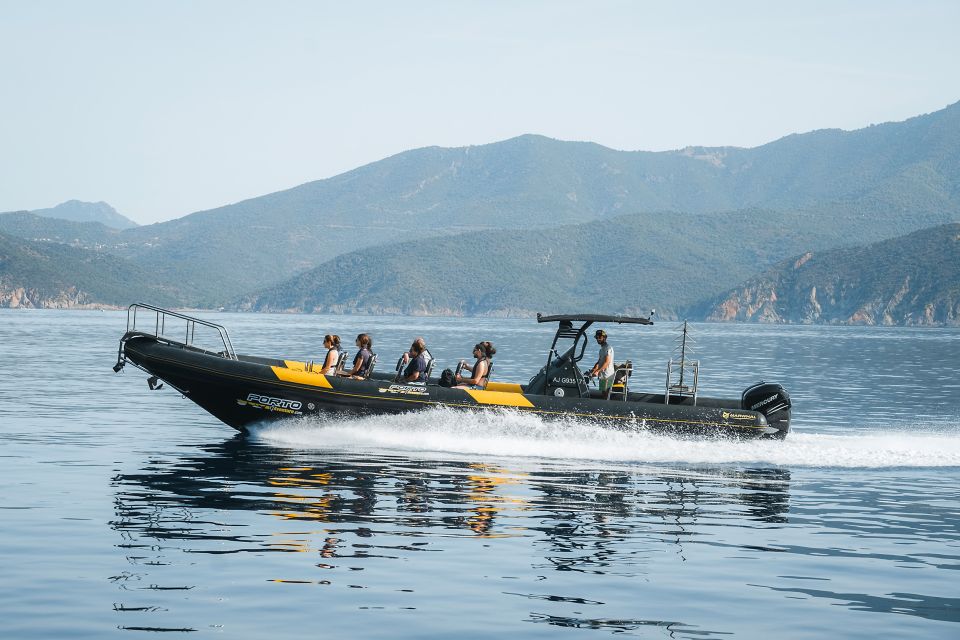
738 416
765 402
404 389
274 404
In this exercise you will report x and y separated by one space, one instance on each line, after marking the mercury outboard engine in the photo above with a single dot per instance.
773 401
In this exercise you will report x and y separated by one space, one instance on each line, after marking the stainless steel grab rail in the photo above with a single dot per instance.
159 326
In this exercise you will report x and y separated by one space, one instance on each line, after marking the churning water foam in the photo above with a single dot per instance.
512 434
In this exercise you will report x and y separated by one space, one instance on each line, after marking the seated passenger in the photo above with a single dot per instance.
426 352
480 371
423 345
416 368
361 362
332 344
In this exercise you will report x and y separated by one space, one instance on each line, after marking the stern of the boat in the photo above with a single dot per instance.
773 401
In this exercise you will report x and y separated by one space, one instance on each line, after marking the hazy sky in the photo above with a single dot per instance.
165 108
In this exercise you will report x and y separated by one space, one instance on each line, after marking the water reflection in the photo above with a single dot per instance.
375 521
672 629
346 513
165 499
925 606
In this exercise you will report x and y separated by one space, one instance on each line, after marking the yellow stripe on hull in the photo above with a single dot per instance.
506 387
501 398
302 377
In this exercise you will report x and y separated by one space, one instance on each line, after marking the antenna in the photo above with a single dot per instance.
686 342
683 367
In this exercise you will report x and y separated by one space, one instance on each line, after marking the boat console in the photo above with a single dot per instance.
561 376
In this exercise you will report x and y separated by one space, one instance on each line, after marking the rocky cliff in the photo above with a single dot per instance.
910 280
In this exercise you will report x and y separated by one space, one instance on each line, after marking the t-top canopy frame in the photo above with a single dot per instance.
567 329
593 317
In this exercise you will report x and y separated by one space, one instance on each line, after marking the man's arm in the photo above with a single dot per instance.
595 369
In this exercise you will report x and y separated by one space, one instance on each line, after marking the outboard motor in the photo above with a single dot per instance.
773 401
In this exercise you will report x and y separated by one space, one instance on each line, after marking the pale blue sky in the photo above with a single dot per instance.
165 108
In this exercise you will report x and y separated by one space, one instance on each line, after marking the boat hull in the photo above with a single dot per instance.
249 391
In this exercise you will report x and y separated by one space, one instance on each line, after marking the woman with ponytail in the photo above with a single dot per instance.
480 371
332 344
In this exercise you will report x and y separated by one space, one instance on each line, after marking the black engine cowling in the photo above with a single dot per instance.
773 401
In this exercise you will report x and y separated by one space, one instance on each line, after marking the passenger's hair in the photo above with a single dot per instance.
418 346
487 348
366 342
329 338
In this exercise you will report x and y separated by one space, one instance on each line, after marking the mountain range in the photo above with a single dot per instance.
78 211
667 226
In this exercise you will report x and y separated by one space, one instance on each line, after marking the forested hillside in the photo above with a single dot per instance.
629 263
53 275
912 280
30 226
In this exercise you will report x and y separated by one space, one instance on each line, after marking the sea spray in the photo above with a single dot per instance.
513 434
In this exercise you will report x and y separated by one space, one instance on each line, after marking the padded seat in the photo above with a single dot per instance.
621 375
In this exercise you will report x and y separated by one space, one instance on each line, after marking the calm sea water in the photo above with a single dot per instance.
127 512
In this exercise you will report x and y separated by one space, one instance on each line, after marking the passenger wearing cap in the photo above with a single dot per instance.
604 367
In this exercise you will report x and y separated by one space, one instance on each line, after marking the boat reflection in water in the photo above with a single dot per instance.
403 525
449 495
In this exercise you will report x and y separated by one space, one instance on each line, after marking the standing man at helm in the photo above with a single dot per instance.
604 367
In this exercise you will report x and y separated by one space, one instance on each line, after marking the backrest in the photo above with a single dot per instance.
621 372
341 361
399 368
426 374
486 377
428 358
370 365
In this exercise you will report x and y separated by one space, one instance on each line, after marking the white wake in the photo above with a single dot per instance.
511 434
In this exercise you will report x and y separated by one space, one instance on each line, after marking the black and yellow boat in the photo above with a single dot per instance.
245 390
